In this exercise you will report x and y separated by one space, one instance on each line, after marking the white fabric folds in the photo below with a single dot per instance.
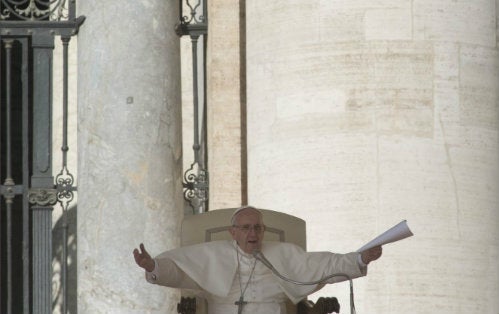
213 266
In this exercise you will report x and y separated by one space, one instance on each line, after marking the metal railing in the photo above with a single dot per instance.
28 188
194 23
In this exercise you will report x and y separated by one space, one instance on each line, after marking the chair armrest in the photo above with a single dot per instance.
323 306
187 305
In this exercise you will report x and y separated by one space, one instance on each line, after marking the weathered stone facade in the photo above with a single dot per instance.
356 114
129 151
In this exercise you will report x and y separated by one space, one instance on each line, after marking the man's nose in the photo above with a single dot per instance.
252 230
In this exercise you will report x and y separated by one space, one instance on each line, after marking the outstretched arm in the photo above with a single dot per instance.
143 259
165 272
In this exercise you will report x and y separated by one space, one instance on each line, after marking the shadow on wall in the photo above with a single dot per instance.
58 288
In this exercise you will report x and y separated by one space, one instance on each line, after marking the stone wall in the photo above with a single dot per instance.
359 113
362 114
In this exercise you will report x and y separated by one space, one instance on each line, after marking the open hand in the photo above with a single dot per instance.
143 259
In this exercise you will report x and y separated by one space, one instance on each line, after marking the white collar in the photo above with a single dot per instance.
241 252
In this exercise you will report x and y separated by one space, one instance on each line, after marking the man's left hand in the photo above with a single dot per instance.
371 254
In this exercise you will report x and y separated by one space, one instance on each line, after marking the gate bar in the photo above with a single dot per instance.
25 183
9 182
64 148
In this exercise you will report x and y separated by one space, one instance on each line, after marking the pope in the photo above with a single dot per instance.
233 280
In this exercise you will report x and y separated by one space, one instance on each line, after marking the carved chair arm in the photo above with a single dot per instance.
323 306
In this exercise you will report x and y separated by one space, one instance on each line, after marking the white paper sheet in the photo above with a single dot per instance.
398 232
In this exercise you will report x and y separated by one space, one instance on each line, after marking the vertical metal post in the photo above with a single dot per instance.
9 182
42 180
195 146
196 180
64 148
1 255
25 177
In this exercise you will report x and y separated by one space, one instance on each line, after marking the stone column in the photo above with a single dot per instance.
226 103
361 114
129 144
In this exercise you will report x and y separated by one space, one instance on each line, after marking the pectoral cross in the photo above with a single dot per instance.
240 304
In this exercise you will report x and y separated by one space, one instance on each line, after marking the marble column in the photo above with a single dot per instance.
364 113
129 144
226 103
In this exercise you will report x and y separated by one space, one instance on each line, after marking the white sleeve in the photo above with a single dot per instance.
167 273
152 276
361 263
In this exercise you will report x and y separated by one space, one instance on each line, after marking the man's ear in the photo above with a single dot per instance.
232 232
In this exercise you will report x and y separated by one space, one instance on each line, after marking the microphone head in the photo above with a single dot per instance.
259 256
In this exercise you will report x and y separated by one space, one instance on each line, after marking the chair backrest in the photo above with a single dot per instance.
214 225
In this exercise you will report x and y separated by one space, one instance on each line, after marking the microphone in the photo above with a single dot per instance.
259 256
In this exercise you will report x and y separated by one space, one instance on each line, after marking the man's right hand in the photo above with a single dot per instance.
143 259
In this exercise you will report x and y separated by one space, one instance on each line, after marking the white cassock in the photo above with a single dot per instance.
213 268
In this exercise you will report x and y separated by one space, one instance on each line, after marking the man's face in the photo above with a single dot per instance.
248 230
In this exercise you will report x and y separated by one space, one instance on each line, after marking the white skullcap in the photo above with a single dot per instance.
238 210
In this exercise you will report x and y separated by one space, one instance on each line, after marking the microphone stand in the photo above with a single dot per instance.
259 256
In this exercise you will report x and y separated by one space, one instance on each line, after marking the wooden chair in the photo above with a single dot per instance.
214 225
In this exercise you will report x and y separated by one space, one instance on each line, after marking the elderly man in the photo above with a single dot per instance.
234 281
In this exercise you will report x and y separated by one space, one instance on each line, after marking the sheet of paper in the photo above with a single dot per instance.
398 232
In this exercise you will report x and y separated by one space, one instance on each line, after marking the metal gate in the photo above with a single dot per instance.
29 185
